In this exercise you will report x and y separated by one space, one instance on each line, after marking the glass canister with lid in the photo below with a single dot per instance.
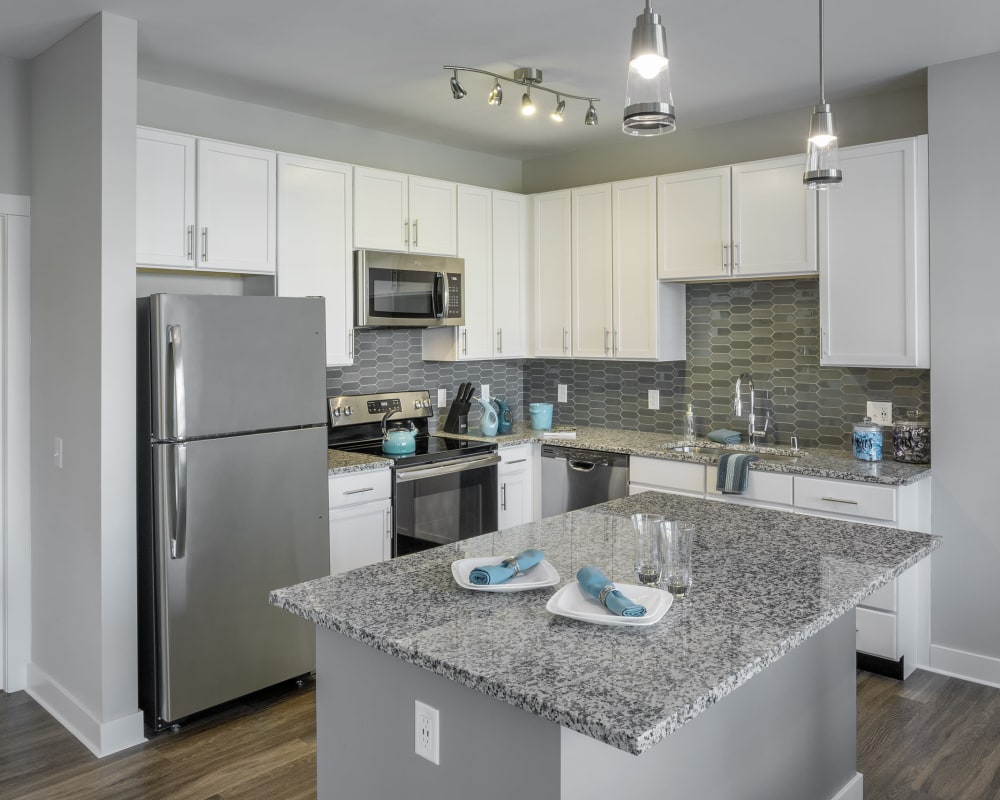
911 439
867 440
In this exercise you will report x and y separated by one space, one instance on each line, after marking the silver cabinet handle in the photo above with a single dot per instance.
360 491
499 340
406 233
840 500
736 256
517 461
180 398
725 257
465 341
350 342
190 242
564 340
204 245
826 341
605 341
614 343
503 496
416 233
178 540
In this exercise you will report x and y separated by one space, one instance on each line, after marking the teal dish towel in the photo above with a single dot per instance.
507 569
733 471
725 436
599 586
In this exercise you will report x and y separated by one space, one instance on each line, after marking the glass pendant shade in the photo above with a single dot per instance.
822 163
649 102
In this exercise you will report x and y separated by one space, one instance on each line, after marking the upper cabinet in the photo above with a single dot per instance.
314 243
553 268
592 279
492 239
746 221
404 213
874 273
204 204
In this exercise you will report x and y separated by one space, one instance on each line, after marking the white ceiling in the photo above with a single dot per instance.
377 63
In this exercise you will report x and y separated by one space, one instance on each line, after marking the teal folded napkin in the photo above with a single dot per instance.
725 436
734 470
599 586
505 570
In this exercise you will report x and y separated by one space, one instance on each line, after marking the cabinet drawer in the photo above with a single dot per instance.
762 487
678 476
514 459
360 487
883 599
876 633
846 498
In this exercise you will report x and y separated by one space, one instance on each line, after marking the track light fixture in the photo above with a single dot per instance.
822 164
530 78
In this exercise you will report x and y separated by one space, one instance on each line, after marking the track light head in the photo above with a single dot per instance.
591 117
496 94
457 90
557 115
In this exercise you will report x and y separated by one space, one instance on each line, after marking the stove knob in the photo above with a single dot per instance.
418 404
348 411
335 412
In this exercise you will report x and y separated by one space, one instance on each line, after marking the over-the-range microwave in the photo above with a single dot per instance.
400 290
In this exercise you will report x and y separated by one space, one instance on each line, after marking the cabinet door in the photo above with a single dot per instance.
553 270
634 259
314 243
694 224
874 275
592 284
360 535
236 207
510 275
514 502
774 219
475 245
432 217
380 210
164 199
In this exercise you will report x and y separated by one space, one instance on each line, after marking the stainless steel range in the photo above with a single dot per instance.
443 491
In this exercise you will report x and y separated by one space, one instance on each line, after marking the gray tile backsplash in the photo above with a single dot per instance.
767 328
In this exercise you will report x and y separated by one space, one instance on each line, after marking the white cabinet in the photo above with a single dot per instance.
492 239
405 213
204 204
661 475
752 220
764 489
874 272
314 244
360 519
553 326
592 280
515 486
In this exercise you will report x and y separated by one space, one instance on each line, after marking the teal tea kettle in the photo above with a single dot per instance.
506 416
489 422
398 440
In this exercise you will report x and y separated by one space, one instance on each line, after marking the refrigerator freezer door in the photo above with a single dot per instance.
256 520
225 365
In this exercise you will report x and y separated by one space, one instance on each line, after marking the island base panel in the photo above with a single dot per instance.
789 732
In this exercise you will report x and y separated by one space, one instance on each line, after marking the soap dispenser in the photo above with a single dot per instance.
689 423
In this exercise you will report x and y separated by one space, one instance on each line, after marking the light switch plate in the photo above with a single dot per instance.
484 391
442 398
654 399
880 413
562 393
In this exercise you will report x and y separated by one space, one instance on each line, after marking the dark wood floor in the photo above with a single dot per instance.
930 738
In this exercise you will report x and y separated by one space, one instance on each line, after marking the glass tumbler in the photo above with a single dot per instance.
678 538
648 537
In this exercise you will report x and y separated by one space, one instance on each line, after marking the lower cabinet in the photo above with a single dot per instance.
514 486
360 519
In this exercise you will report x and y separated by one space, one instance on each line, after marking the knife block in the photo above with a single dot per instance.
457 420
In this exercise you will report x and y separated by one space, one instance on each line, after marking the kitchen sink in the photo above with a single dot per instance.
707 450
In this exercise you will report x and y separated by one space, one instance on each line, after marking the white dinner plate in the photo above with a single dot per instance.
539 576
571 601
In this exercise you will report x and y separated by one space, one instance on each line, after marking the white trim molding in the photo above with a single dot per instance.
967 666
15 204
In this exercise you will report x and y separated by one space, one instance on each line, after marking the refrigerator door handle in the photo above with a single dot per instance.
178 539
180 403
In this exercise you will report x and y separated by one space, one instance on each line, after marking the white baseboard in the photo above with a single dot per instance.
853 789
967 666
101 738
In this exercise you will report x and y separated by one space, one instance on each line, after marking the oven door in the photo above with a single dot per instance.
441 503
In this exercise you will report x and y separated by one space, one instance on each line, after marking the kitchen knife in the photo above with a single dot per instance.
462 389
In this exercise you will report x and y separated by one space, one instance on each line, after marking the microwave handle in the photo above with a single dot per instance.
439 300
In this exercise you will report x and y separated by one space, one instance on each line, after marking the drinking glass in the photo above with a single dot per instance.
678 537
648 537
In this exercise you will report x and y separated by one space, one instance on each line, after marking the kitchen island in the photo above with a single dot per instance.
745 689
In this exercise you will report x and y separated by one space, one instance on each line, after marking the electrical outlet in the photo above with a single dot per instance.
442 398
426 730
654 399
880 413
484 390
562 391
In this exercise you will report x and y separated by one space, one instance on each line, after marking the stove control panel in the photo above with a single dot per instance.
384 405
367 408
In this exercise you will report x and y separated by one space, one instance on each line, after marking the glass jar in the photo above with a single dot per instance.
911 440
867 440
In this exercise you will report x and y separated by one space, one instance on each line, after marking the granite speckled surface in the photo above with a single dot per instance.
764 581
340 462
817 463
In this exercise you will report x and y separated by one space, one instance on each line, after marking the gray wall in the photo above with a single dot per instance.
964 114
215 117
871 118
15 153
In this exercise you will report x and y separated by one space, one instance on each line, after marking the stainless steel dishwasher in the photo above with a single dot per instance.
574 478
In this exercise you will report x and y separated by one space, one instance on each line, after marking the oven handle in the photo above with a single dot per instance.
417 473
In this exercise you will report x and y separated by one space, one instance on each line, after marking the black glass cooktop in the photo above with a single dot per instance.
429 449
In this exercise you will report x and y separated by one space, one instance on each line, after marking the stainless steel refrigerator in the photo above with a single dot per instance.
232 494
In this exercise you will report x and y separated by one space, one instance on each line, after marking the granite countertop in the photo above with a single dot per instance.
764 581
814 462
340 462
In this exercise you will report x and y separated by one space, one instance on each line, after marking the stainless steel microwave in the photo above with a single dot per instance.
399 290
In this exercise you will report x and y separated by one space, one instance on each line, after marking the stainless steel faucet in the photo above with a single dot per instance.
752 431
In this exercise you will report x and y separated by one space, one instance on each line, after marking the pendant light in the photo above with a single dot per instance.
822 164
649 103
